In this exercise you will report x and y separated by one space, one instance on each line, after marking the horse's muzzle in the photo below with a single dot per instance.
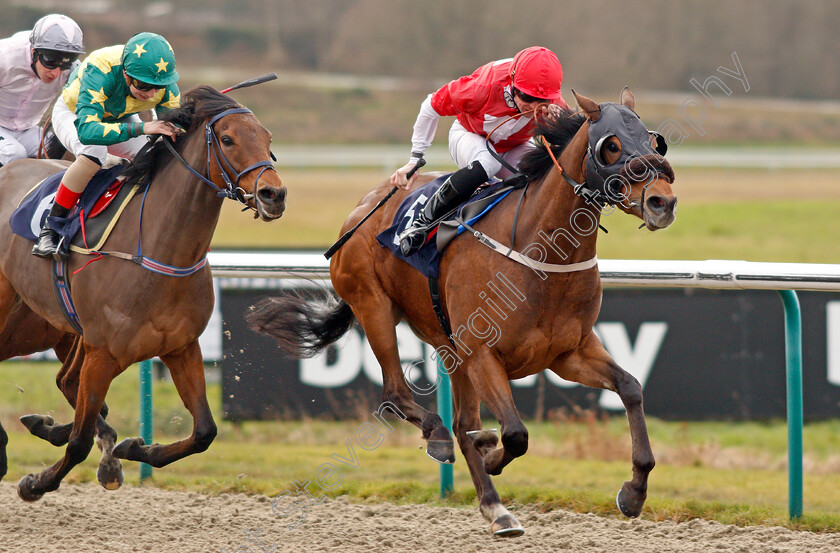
660 211
270 202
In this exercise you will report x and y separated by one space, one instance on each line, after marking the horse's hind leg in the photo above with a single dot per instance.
4 441
70 349
592 366
381 333
187 369
109 473
98 370
468 419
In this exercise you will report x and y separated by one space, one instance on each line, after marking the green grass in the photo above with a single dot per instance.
802 231
732 473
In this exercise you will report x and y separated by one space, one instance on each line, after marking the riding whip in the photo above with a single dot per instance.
346 236
251 82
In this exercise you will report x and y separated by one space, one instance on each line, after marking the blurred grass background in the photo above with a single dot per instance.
750 214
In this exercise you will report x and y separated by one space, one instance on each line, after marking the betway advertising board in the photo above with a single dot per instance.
699 354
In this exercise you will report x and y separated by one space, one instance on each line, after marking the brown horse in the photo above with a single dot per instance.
537 318
128 313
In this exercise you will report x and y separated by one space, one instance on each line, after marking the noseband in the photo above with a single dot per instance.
231 177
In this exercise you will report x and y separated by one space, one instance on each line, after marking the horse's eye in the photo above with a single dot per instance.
227 141
612 147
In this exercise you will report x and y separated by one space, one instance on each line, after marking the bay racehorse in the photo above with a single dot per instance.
132 311
545 314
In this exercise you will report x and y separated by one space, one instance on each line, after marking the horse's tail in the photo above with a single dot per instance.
302 326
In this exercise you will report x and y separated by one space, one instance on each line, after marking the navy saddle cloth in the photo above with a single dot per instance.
427 259
28 218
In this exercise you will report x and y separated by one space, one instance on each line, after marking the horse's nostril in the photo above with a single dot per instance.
271 195
656 203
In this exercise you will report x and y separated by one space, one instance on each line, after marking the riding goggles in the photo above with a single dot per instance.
144 87
52 59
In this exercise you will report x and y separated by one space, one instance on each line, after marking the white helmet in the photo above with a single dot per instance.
57 32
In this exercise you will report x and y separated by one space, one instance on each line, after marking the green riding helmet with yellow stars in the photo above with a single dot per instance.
98 93
149 58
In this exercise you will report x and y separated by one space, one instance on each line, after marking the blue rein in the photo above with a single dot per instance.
232 191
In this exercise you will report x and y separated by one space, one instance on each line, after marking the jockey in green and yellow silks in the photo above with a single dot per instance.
96 114
100 97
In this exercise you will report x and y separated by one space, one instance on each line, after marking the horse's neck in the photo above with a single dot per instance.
185 210
560 215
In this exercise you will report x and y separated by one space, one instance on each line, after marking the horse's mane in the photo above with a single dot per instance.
198 105
557 131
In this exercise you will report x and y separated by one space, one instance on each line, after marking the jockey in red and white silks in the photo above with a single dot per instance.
481 102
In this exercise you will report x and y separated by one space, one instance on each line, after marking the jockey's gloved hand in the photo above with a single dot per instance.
399 178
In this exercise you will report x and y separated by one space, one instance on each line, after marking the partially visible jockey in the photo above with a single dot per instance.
480 102
96 114
34 65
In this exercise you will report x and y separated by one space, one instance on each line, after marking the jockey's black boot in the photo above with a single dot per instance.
458 187
48 240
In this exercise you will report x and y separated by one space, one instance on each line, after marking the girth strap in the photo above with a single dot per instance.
437 306
61 286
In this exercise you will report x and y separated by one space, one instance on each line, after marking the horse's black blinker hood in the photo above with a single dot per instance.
622 122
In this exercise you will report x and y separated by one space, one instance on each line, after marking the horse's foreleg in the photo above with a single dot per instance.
592 366
490 381
187 369
468 419
381 333
98 370
70 350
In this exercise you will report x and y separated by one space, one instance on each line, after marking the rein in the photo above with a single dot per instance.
232 191
515 173
579 188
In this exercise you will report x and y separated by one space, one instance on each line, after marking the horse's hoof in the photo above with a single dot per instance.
493 461
484 440
129 449
33 423
629 503
25 488
110 475
442 451
506 526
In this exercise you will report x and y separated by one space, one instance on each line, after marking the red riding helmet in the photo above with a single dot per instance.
537 72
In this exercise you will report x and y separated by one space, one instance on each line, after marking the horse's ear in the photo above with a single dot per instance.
592 110
627 98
